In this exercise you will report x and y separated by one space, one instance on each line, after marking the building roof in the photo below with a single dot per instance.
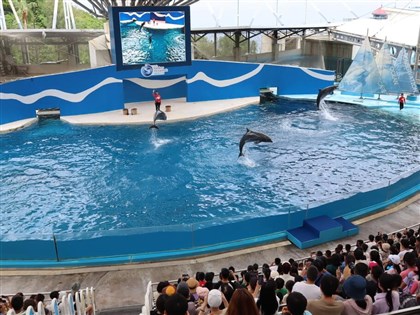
402 26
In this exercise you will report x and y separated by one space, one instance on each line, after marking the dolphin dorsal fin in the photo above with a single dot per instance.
247 130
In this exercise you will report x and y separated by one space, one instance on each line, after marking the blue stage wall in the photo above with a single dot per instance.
105 89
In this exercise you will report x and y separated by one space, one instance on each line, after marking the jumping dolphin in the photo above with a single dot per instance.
252 136
159 115
323 93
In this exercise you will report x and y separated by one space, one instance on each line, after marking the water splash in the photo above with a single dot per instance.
156 141
325 111
246 161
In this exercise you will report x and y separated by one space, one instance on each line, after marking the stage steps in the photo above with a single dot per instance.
320 230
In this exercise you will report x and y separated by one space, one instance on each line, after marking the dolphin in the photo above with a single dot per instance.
323 93
159 115
252 136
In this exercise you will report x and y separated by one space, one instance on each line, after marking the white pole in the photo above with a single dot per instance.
54 23
15 14
3 25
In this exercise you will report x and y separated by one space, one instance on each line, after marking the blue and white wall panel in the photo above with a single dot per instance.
105 89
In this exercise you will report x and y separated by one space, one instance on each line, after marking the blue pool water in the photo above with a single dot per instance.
57 177
148 45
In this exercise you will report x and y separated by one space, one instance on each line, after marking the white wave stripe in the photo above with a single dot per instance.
201 76
136 14
169 15
326 77
70 97
154 84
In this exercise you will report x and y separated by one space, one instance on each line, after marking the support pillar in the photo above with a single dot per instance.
237 48
274 47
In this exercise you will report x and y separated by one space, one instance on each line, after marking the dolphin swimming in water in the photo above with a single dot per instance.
252 136
323 93
159 115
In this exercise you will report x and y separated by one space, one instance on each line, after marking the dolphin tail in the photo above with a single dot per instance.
240 154
153 126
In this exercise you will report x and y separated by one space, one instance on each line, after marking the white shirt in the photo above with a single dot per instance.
310 291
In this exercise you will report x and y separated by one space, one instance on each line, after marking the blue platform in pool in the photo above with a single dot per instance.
321 229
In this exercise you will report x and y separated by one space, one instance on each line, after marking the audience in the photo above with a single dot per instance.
357 302
327 304
242 303
377 277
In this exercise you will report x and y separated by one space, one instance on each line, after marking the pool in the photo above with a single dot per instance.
59 178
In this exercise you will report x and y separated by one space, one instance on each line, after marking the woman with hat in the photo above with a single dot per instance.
358 302
213 300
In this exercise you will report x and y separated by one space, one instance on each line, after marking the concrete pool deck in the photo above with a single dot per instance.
180 110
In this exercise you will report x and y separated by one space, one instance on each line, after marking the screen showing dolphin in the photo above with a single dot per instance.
159 115
323 93
252 136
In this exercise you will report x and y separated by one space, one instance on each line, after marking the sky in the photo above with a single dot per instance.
213 13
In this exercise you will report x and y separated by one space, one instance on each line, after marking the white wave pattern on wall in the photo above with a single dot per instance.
201 76
136 14
156 84
169 15
326 77
70 97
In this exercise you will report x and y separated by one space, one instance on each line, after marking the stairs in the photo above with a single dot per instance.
319 230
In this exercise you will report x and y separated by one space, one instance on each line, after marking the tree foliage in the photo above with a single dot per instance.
39 15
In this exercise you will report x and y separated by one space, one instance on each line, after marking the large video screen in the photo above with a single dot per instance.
150 36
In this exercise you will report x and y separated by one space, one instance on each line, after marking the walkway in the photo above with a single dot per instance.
180 110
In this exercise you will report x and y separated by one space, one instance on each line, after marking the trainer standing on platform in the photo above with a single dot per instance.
401 100
157 98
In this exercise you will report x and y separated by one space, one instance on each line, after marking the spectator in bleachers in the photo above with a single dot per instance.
333 263
176 304
281 291
268 303
29 302
289 286
308 287
200 276
371 286
404 248
409 264
209 280
212 303
327 304
160 304
17 304
225 285
359 256
375 259
384 250
319 264
296 305
184 290
253 287
242 303
275 264
348 267
410 283
392 265
286 272
387 300
358 302
347 247
371 241
417 245
192 285
232 274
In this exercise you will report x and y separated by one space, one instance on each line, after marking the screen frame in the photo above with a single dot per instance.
115 35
